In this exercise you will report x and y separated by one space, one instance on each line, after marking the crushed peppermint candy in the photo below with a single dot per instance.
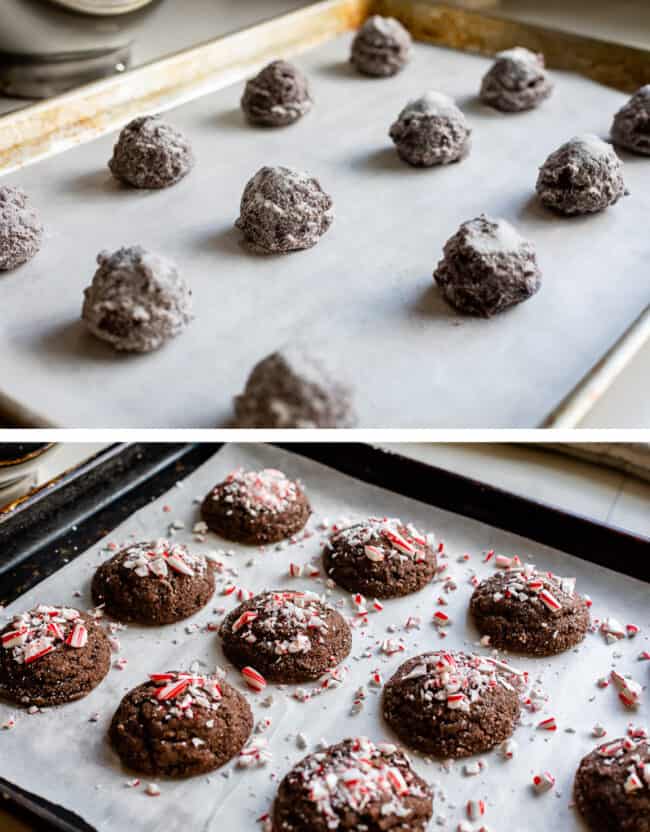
161 559
268 491
182 694
543 782
383 537
525 583
32 635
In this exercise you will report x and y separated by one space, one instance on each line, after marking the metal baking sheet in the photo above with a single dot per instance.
91 783
364 295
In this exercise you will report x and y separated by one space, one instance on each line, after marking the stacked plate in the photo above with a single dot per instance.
19 464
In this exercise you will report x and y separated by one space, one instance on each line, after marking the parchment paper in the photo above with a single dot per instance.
365 294
61 755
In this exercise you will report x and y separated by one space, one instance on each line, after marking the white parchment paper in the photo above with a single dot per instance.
62 756
364 294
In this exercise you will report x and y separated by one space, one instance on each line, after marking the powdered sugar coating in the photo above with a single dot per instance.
582 176
277 96
21 230
292 388
431 130
631 125
381 47
516 81
39 632
151 154
284 210
137 300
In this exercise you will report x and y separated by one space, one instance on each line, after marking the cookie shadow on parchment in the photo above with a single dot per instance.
72 340
342 69
99 181
225 241
430 304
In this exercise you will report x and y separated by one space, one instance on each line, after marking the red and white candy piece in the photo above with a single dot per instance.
244 619
253 679
178 563
543 782
549 600
172 690
295 570
502 562
78 636
548 724
441 619
374 553
37 649
633 783
397 780
475 809
14 637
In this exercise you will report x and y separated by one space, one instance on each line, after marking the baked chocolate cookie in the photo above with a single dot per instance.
154 582
631 125
381 47
52 655
582 176
487 267
530 612
286 636
431 130
151 154
256 507
382 558
277 96
180 725
452 704
612 786
21 231
516 81
353 785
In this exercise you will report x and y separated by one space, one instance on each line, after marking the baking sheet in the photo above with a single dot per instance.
89 780
364 295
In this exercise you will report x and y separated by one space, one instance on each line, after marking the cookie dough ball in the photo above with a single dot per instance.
284 210
612 786
487 267
582 176
530 612
180 725
286 636
431 130
452 704
382 558
256 507
151 154
516 81
631 125
20 228
155 582
137 300
52 655
292 388
353 785
278 96
381 47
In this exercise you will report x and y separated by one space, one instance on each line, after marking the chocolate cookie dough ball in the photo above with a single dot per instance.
431 130
612 786
292 388
452 704
381 47
353 785
487 267
631 125
151 154
137 300
286 636
52 655
256 507
180 725
278 96
583 176
20 228
284 210
154 582
529 611
383 558
516 81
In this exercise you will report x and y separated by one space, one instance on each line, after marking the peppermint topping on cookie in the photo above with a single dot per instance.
180 693
386 537
266 491
525 583
160 557
36 633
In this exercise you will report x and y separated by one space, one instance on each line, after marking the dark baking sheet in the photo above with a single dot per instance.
41 533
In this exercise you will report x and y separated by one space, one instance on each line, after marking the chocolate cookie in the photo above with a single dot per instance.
353 785
292 388
256 507
631 125
516 81
155 582
284 210
151 154
529 611
431 130
381 47
452 704
180 725
277 96
137 300
487 267
612 787
21 230
52 655
286 636
582 176
382 558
